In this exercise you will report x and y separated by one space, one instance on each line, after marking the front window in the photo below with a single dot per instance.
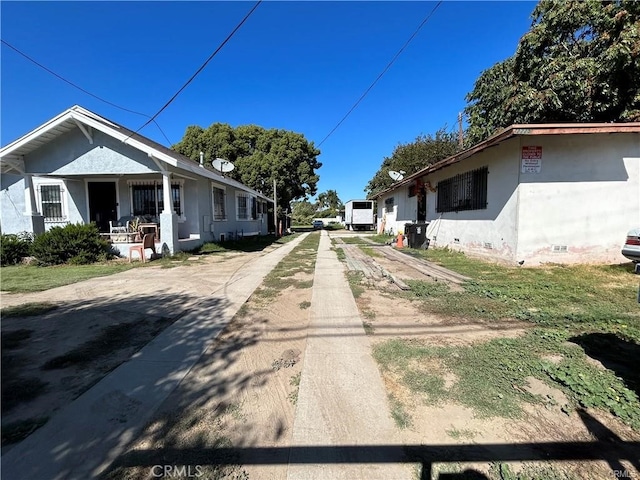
219 210
147 198
242 201
51 202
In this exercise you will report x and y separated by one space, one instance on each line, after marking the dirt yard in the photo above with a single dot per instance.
243 391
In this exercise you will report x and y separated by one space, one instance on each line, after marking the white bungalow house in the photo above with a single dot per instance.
563 193
81 167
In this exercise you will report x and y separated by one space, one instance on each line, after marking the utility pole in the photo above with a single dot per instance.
275 207
460 136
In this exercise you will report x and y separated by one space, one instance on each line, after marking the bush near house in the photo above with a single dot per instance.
76 244
13 248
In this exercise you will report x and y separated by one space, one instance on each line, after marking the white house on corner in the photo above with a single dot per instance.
563 193
81 167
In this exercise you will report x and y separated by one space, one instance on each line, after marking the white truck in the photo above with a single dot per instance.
359 215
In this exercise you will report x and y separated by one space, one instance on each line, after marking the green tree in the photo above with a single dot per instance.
302 212
411 157
329 202
260 156
579 62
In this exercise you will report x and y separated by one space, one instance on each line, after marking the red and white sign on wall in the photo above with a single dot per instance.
531 159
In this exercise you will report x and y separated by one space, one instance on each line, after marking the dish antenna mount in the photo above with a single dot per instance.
397 175
222 165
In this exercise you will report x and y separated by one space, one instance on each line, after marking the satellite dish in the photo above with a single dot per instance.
223 165
397 175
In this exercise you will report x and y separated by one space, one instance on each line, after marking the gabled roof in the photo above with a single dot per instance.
519 130
78 117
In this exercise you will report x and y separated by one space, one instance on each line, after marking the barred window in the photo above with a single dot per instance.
51 202
242 201
219 209
467 191
148 199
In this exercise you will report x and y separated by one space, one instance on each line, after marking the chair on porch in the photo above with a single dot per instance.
148 241
120 226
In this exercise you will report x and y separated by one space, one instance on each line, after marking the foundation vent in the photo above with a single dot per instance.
488 245
559 248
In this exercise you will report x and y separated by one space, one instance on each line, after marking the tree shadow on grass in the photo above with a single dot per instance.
616 354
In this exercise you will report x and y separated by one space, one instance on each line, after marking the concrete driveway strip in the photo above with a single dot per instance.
82 439
341 400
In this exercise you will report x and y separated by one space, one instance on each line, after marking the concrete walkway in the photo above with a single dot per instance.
342 401
82 439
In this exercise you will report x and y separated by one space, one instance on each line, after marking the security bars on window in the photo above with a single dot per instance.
467 191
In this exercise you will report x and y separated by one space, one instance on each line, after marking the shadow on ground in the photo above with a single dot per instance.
618 355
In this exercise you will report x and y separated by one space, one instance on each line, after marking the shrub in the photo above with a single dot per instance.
76 244
14 247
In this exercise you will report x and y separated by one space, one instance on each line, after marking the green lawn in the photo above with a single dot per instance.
28 278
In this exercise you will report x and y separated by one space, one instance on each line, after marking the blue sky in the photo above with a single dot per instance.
294 65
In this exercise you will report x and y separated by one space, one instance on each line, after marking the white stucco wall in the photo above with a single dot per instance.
489 232
585 198
405 210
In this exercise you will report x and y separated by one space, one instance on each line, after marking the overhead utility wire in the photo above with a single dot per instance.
203 65
82 89
381 74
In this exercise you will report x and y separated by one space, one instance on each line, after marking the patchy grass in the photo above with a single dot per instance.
340 254
248 244
491 377
572 310
17 431
368 328
294 381
354 278
29 278
301 259
28 309
372 252
400 415
353 240
383 239
462 434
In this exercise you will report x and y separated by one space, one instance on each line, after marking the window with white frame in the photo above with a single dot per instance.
147 197
219 208
51 202
242 206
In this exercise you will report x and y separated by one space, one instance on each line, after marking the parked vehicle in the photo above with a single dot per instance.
359 215
631 247
318 224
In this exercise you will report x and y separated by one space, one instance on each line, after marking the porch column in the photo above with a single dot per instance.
35 220
168 218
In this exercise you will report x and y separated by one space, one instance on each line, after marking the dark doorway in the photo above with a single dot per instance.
422 205
102 204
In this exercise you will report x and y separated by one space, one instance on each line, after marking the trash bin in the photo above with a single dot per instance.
416 234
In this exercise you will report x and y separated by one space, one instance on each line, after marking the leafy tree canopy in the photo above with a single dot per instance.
580 62
411 157
260 156
302 212
329 201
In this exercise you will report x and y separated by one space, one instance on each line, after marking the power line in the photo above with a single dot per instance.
383 72
48 70
203 65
